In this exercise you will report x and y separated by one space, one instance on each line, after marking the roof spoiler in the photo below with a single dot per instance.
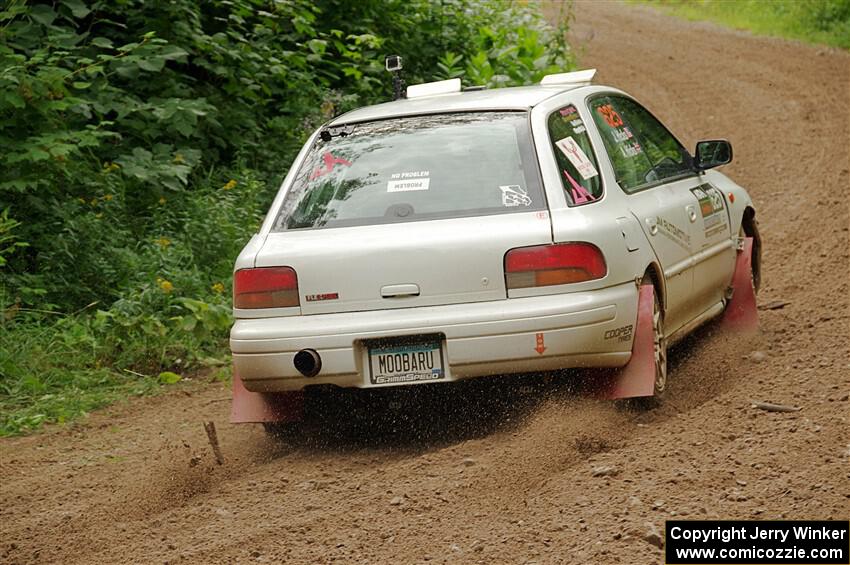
433 88
575 78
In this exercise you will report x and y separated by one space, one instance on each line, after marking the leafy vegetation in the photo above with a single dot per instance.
814 21
143 142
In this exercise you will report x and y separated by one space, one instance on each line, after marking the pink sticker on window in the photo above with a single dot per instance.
330 161
578 192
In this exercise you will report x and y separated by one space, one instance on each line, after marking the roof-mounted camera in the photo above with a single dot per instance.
393 65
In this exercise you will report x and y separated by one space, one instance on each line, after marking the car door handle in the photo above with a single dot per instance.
692 212
652 224
399 290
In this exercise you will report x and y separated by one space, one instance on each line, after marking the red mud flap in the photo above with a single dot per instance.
741 313
637 378
251 407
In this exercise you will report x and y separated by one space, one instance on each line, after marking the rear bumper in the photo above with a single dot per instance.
483 338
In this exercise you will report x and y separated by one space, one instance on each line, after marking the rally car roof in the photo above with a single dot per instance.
513 98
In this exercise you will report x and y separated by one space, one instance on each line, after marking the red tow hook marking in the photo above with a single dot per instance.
540 346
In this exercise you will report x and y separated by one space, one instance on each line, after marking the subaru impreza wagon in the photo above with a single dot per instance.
457 234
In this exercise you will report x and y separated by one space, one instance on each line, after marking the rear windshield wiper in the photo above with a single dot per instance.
340 131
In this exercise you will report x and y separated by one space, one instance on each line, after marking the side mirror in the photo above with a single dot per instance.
712 153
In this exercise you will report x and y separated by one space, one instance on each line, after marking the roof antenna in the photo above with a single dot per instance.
393 65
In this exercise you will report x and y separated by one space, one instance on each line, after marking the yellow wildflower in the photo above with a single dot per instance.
108 197
163 242
217 288
93 201
231 184
109 167
165 285
161 200
178 158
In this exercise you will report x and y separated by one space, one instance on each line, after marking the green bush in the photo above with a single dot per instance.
143 142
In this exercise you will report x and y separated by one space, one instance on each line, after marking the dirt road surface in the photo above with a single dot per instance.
554 478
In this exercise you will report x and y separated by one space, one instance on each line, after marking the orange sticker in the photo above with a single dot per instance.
612 118
541 345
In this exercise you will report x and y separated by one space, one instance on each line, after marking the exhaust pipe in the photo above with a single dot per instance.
308 362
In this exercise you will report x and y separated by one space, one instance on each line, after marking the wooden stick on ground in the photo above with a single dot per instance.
775 407
213 437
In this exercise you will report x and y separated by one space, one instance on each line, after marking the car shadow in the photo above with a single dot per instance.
422 417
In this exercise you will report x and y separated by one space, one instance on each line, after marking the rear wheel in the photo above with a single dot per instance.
659 344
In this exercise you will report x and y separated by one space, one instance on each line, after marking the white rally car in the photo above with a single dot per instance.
457 234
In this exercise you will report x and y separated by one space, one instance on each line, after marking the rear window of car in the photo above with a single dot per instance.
416 168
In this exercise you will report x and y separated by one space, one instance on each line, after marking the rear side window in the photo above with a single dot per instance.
416 168
642 151
574 154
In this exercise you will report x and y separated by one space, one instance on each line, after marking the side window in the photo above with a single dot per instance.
641 149
574 154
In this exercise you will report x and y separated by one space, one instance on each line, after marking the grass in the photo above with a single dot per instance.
64 397
51 373
824 22
59 372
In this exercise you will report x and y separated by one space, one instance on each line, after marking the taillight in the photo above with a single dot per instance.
265 287
545 265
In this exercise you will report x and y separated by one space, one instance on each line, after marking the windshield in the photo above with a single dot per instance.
416 168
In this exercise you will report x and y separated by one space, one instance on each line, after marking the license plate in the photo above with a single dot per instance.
406 361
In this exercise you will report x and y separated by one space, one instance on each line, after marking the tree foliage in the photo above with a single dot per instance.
109 108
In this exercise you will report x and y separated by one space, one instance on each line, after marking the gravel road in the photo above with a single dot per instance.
554 478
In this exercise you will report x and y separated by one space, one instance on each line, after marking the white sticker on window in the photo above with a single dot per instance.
572 150
410 175
621 135
514 195
408 185
630 150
